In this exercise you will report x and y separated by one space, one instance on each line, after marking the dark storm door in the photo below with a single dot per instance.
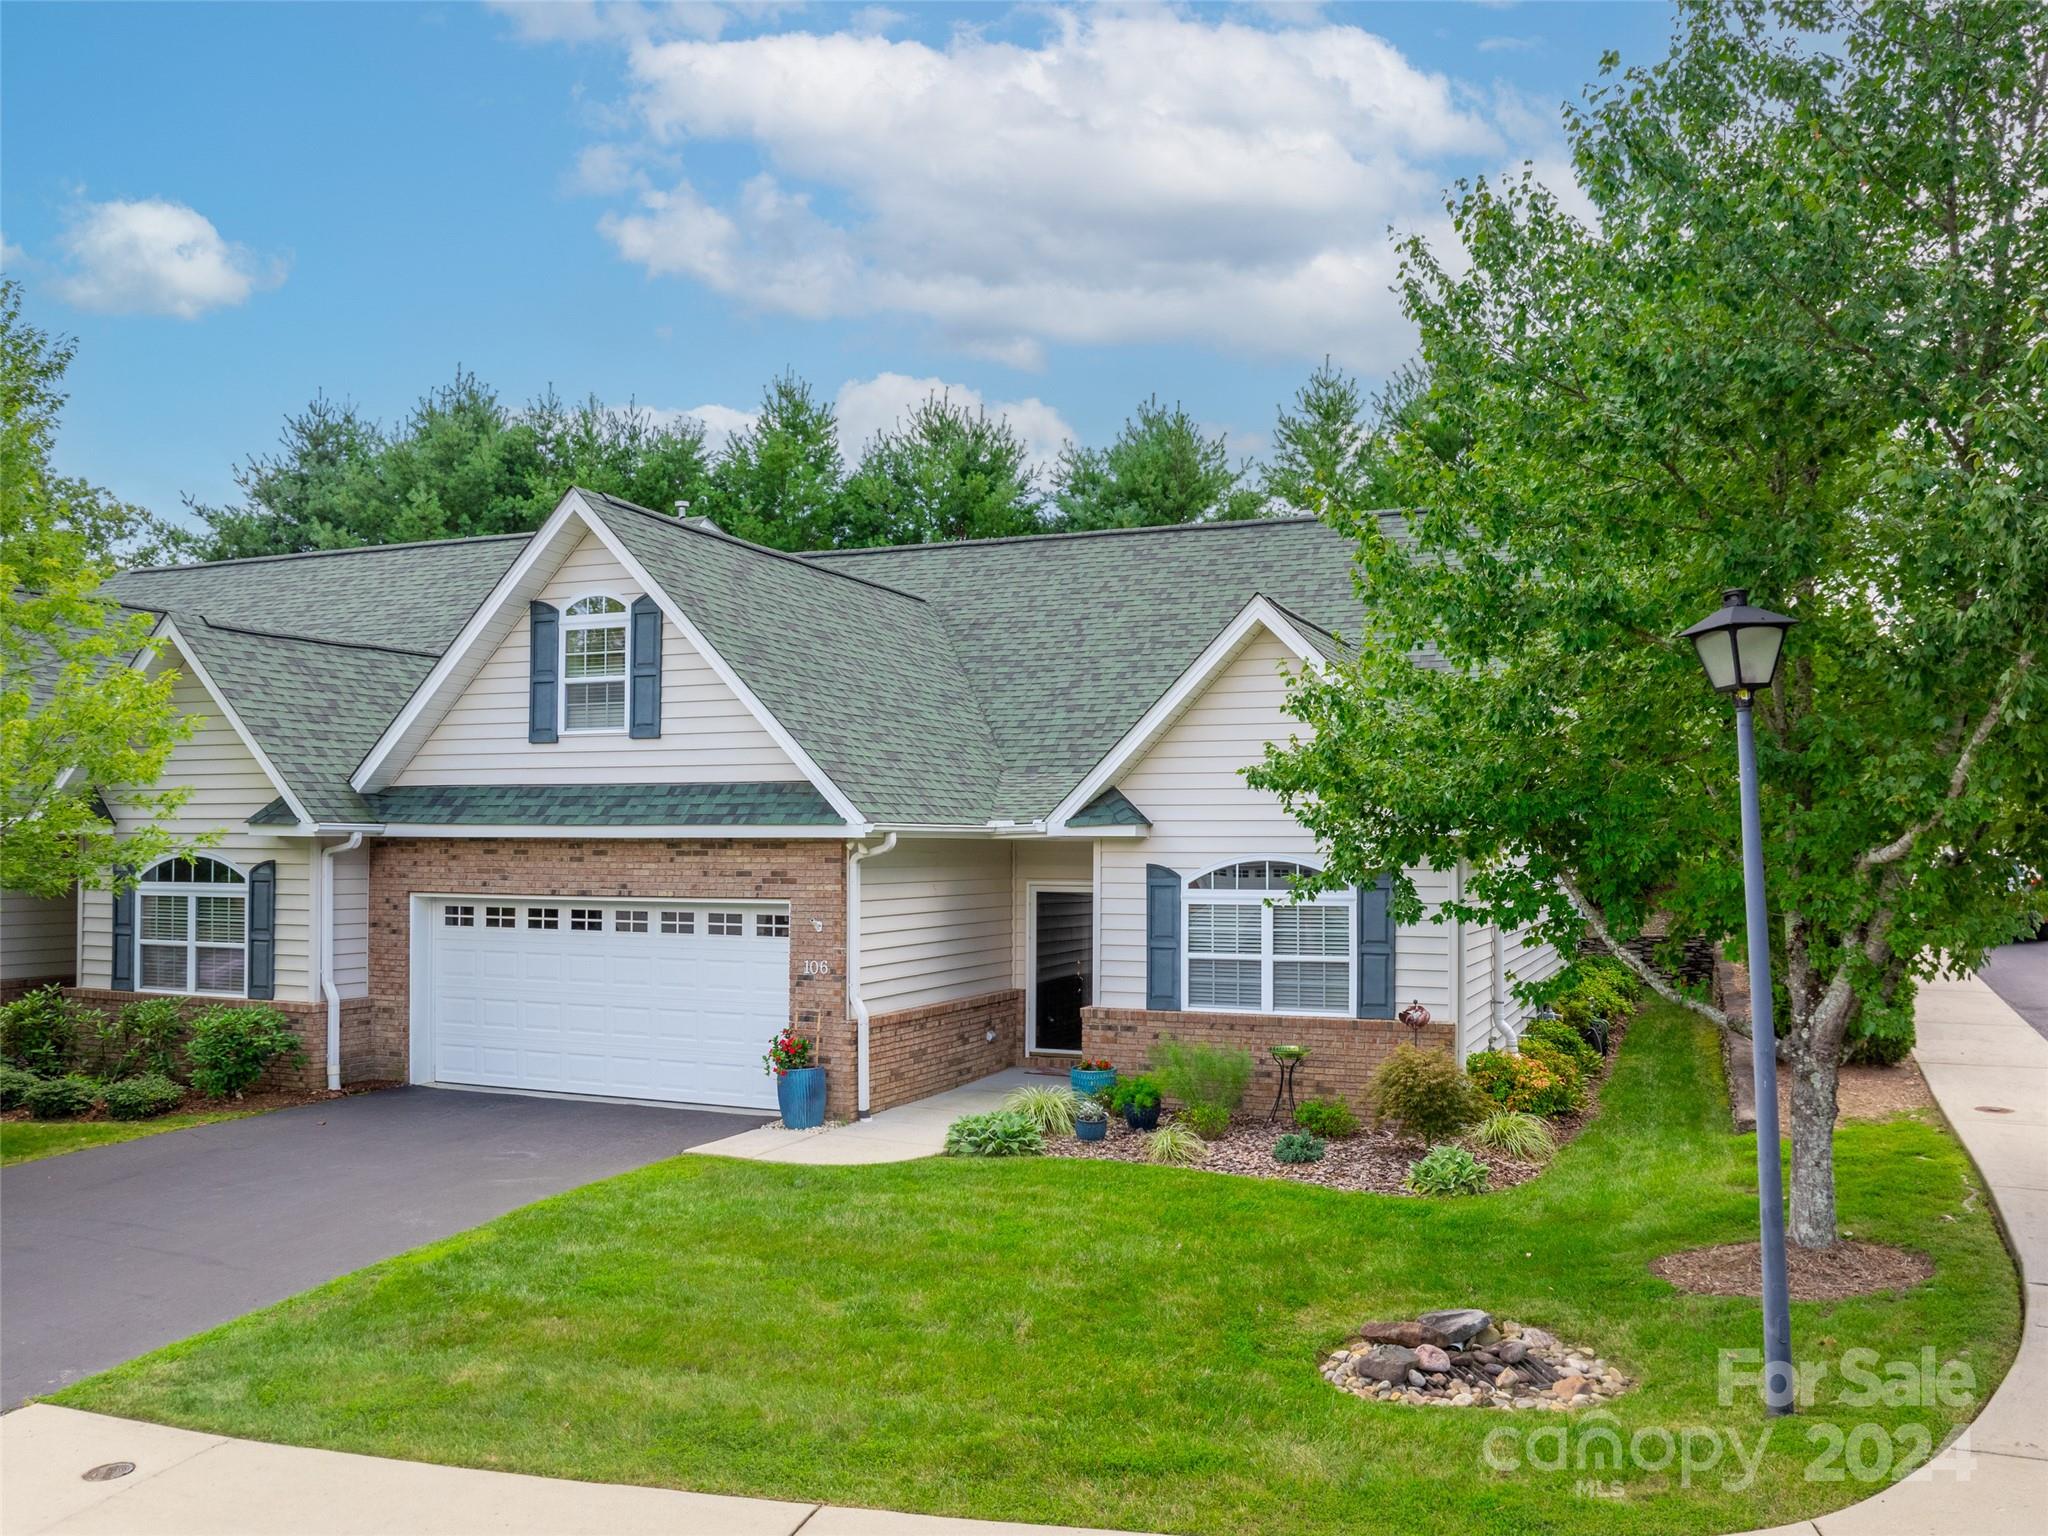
1063 981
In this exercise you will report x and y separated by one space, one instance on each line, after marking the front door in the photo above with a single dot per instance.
1063 967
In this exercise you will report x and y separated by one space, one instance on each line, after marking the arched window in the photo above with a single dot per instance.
192 927
1249 948
594 664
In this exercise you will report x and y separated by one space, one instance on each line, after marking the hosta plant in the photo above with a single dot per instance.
1447 1170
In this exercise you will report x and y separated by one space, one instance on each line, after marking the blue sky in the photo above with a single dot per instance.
1055 211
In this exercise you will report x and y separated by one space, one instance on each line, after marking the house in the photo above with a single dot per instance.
599 809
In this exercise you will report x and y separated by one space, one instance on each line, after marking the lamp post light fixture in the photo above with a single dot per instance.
1739 648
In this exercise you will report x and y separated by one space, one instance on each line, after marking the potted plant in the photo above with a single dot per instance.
1137 1100
1086 1076
799 1085
1091 1120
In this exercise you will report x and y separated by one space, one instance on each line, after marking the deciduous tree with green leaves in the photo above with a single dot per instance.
75 716
1801 350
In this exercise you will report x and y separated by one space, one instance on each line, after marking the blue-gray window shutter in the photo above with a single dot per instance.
124 934
1376 950
645 635
1162 937
263 929
543 671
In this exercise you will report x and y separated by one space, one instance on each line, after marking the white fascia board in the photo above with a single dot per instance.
169 632
1219 653
377 768
819 779
534 830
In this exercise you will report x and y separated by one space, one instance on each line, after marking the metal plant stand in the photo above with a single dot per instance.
1287 1058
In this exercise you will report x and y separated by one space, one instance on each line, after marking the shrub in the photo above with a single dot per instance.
1447 1170
142 1098
1140 1093
1004 1133
1566 1041
1329 1118
1299 1147
1175 1143
1880 1049
1516 1134
1528 1083
1425 1093
1089 1107
230 1047
39 1032
1208 1121
1050 1109
142 1039
61 1098
14 1083
1215 1075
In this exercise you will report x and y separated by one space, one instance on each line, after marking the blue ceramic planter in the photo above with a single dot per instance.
1146 1119
1091 1081
1091 1130
801 1093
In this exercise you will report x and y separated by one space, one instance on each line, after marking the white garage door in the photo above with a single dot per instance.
643 999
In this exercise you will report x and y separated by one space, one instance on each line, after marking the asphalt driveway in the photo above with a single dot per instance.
113 1251
2019 974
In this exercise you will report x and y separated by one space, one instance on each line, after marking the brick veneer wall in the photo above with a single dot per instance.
809 874
919 1051
21 986
1343 1053
361 1058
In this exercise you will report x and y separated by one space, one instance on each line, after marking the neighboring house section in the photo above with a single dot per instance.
601 809
38 942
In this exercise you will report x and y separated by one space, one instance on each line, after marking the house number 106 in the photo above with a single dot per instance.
817 968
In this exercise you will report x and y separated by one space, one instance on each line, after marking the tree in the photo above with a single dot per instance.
461 463
1162 468
778 482
74 714
945 473
1320 448
1803 352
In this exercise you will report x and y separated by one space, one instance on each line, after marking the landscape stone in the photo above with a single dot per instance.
1536 1338
1385 1362
1513 1352
1417 1380
1431 1358
1568 1387
1456 1325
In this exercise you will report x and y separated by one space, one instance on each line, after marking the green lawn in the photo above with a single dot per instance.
1097 1342
23 1141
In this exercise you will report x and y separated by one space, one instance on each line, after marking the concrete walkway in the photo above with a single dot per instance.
895 1135
187 1484
1988 1070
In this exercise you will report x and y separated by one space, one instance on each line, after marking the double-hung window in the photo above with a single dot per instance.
192 928
1252 949
594 665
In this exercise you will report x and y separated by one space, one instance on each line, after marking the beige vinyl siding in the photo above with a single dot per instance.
352 923
935 923
38 936
1067 861
1480 1011
1204 814
707 735
1527 961
228 786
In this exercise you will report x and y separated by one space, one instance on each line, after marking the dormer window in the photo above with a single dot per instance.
594 665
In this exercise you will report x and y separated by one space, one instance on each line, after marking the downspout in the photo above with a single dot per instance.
1499 1028
327 987
1458 967
854 1001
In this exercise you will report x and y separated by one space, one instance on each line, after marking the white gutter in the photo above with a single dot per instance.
854 1001
327 987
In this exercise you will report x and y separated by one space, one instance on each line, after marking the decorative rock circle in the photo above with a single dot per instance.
1459 1359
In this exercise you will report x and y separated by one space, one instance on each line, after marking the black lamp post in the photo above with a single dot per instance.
1739 648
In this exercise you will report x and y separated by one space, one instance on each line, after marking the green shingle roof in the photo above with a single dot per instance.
1109 809
605 805
946 684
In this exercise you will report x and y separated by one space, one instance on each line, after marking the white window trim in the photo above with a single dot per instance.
1345 900
192 945
576 623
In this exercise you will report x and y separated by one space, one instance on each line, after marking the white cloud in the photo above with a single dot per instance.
156 257
1136 175
721 423
867 407
875 18
1508 44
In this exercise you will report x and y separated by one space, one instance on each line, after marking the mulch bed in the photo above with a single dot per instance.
1825 1274
261 1099
1372 1162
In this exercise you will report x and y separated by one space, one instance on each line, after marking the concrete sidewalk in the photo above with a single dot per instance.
1988 1070
187 1484
917 1129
